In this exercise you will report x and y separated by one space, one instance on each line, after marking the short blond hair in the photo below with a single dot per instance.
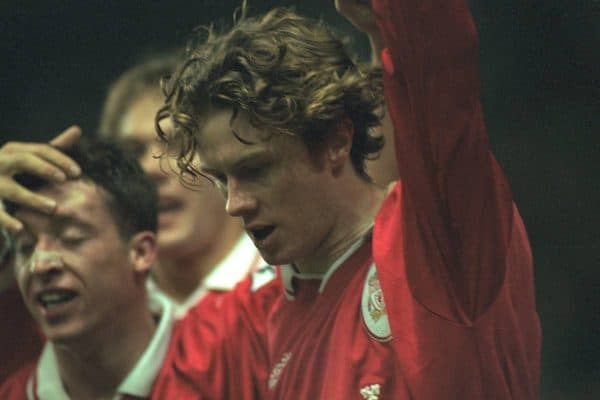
139 80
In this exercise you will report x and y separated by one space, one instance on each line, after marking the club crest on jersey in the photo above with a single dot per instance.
371 392
373 307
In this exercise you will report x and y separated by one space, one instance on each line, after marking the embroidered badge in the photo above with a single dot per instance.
278 369
371 392
373 307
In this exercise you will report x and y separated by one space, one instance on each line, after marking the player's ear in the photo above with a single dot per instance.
339 142
143 251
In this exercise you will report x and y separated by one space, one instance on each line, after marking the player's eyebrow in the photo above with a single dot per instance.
57 224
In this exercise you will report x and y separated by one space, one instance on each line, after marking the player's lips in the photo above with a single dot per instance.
260 234
168 204
168 207
56 301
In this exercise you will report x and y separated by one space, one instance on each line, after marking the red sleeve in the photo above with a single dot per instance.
454 208
15 387
218 350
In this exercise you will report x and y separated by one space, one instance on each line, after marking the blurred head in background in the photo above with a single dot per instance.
194 231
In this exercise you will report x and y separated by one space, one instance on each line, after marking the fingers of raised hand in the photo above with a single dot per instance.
38 159
67 137
9 222
14 192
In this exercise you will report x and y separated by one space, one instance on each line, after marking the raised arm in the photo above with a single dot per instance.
451 181
456 205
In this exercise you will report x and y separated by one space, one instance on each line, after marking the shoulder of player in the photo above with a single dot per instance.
250 300
219 326
16 385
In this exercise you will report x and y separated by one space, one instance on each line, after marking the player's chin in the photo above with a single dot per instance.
65 334
176 238
275 256
270 257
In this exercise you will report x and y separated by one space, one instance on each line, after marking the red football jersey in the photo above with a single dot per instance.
20 339
321 346
218 350
448 311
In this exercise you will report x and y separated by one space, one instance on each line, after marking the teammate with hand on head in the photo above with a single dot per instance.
82 273
81 270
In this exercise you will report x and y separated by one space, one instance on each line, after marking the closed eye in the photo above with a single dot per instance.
252 171
74 233
72 241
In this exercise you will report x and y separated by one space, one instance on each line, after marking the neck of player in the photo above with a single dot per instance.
179 275
92 366
355 207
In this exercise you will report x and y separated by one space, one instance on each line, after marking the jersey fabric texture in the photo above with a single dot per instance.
219 349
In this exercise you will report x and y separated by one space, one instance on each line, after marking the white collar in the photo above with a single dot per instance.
243 258
239 262
140 379
288 271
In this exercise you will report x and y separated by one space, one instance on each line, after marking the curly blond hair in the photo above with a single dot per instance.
287 73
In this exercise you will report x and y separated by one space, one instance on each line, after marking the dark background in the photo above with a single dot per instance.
539 61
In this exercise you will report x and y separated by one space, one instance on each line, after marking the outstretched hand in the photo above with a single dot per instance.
42 159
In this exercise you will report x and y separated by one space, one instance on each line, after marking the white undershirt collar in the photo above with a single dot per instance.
240 261
289 272
140 379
